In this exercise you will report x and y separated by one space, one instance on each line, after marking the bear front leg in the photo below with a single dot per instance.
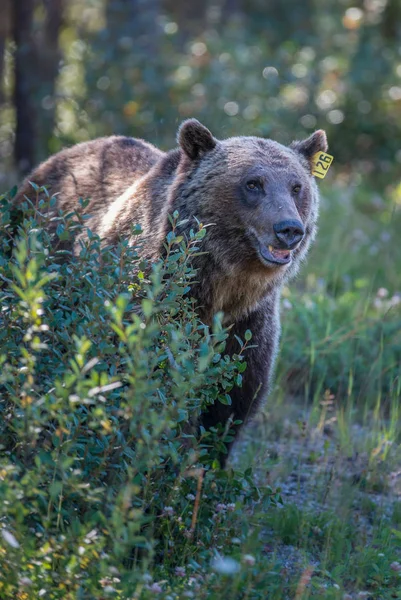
264 323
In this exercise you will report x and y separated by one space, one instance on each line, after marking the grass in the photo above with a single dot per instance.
101 500
341 497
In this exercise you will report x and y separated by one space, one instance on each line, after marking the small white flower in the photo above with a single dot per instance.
180 571
155 588
248 559
395 566
190 497
382 293
168 511
221 507
231 507
9 538
225 565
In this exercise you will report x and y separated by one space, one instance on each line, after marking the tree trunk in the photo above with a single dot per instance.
391 24
4 33
49 57
24 149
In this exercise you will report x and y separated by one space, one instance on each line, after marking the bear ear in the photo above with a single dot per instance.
317 142
195 139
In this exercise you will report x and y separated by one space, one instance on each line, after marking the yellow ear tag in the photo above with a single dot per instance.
320 164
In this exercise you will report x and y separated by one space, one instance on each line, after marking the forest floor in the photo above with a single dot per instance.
340 482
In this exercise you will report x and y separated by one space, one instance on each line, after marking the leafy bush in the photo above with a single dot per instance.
105 369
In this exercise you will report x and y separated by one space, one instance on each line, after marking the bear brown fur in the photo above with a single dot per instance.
244 188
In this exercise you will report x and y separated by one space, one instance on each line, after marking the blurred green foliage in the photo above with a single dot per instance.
242 66
342 322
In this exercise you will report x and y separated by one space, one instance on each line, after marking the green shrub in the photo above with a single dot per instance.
105 369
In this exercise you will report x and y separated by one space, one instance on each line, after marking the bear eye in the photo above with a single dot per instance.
253 185
296 188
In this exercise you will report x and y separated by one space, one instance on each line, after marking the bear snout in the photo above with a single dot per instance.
289 233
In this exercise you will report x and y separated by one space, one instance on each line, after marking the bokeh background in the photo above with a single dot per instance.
75 69
72 70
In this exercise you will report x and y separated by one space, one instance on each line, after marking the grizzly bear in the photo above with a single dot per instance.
258 196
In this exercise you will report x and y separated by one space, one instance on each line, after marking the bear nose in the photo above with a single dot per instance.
289 233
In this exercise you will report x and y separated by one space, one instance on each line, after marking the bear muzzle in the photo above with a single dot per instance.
277 248
289 233
277 256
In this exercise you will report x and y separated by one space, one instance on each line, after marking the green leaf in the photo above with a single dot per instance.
147 307
13 192
226 399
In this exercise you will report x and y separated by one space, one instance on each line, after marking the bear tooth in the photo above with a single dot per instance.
271 248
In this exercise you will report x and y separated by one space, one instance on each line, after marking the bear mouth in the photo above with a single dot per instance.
276 256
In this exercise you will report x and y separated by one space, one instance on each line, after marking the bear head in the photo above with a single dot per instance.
258 198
